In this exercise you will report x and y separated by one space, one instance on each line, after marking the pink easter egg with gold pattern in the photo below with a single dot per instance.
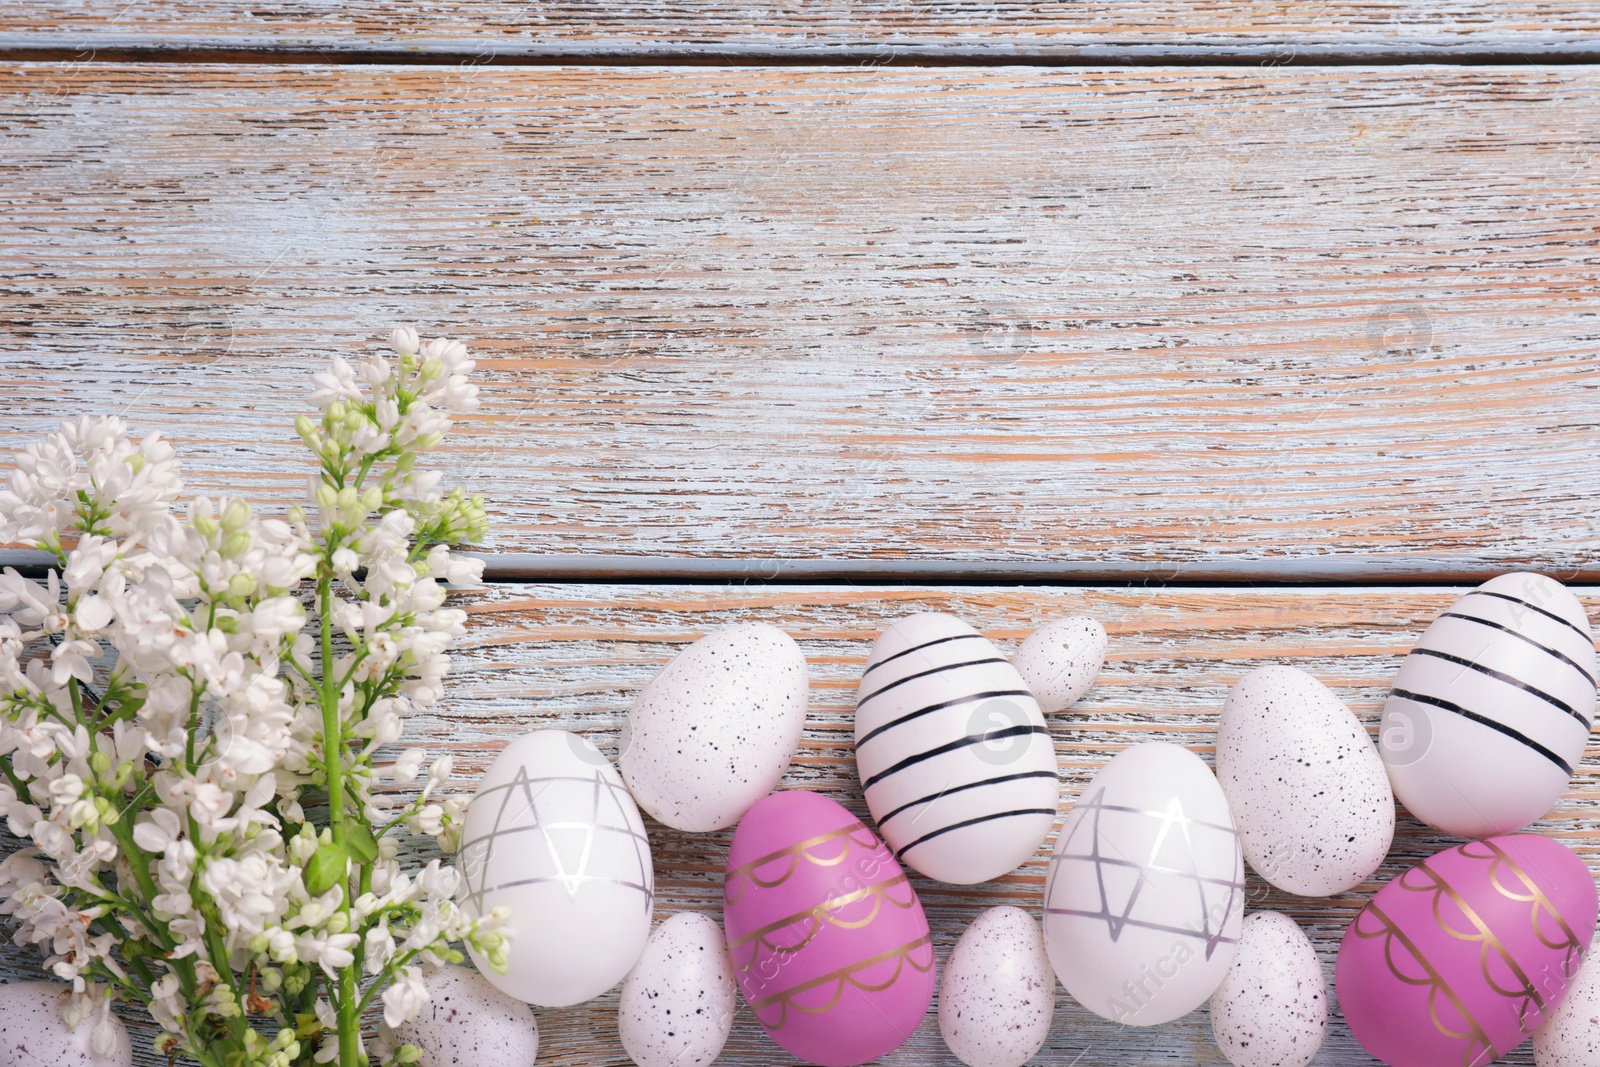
1456 961
829 942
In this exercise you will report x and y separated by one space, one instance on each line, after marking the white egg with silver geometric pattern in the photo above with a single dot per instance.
1491 711
1145 891
553 834
955 759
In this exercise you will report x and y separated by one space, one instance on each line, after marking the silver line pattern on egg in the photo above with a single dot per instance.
1089 812
1483 720
918 648
940 706
953 746
1557 653
926 674
954 756
1534 608
474 862
1501 676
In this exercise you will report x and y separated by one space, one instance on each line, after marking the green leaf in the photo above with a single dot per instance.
359 840
328 866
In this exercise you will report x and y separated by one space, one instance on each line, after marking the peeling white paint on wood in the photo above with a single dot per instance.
1257 318
575 655
873 31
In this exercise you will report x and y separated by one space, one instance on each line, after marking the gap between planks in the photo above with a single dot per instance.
531 568
22 48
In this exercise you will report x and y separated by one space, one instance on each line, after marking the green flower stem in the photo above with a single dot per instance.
349 1012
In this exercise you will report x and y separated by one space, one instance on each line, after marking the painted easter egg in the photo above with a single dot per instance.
714 731
552 834
829 943
1570 1037
678 1001
468 1021
34 1034
1491 710
998 993
1145 889
1462 956
1060 660
954 756
1272 1008
1307 788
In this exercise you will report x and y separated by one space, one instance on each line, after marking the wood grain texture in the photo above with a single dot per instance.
1272 321
574 656
829 30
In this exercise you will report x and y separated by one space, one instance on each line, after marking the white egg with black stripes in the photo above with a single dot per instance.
953 752
1491 710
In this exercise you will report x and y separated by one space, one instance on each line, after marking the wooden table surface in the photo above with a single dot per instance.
1257 330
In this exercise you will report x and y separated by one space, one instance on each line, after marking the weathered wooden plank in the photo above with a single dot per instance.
829 30
574 656
1264 322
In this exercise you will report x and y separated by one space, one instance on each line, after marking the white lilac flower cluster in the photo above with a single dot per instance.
190 707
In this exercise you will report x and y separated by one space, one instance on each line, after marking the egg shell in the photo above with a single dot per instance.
1460 957
954 756
1145 889
33 1033
1491 710
1571 1036
714 731
1307 788
1272 1008
553 834
1059 660
467 1021
678 1001
998 993
829 943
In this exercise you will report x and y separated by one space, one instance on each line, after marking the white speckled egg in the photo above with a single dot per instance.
954 755
1571 1036
1060 659
1145 889
679 999
998 993
553 834
33 1034
1308 790
469 1023
715 730
1491 710
1272 1008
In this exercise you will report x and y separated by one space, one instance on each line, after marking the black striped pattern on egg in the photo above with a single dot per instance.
1491 710
954 756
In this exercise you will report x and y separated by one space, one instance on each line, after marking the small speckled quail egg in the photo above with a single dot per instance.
1307 787
715 730
1272 1008
678 1001
467 1021
999 993
1060 660
33 1034
1571 1036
